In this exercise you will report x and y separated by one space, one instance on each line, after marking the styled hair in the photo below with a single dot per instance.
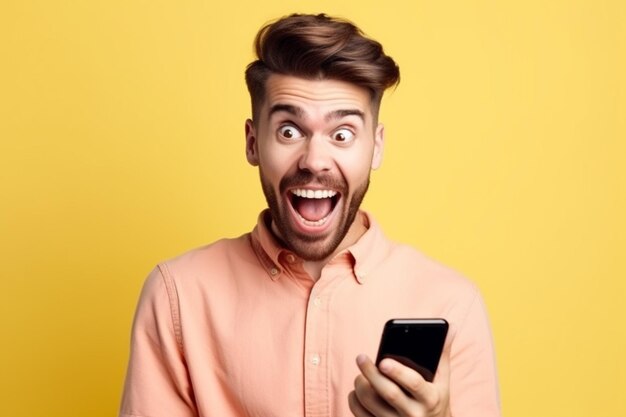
319 47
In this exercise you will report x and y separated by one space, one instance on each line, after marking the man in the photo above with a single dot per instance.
270 323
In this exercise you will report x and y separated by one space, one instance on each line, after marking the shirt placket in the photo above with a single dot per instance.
317 395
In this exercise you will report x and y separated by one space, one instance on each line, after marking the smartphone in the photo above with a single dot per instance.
416 343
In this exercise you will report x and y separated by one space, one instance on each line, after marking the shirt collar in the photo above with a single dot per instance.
368 252
266 247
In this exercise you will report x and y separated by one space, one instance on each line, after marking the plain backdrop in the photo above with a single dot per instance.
122 144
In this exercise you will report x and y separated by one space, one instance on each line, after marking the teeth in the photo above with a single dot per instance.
302 193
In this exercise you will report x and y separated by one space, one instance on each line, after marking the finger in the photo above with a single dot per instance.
369 399
356 407
409 379
388 394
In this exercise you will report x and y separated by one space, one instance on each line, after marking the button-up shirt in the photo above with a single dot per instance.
238 328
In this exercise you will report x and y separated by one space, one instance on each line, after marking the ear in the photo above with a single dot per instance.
379 142
252 151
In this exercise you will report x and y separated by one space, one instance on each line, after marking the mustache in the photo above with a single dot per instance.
302 178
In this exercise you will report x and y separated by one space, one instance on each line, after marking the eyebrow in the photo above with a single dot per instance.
300 113
294 110
340 114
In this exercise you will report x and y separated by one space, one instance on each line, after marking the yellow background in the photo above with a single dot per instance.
122 144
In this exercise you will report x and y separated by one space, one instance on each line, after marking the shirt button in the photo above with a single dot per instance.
273 271
317 301
315 360
291 259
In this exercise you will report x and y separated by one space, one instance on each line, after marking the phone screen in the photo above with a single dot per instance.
416 343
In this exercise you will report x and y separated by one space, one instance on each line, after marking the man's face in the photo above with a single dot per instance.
315 143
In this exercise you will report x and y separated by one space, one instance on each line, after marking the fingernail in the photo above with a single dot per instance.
385 366
361 359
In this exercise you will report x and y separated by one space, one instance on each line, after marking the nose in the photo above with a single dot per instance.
316 156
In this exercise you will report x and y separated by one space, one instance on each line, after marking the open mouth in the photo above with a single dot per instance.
313 207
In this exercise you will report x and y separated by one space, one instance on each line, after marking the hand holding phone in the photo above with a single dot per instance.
417 343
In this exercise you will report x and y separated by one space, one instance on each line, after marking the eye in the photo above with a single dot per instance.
289 132
343 136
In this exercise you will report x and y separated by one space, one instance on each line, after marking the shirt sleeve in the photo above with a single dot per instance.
473 378
157 382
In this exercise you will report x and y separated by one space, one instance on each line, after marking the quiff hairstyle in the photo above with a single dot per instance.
319 47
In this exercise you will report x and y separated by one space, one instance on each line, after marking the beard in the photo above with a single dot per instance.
311 247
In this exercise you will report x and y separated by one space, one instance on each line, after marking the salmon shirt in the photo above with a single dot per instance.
239 329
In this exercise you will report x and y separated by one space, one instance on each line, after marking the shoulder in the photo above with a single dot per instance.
428 283
424 268
221 255
404 263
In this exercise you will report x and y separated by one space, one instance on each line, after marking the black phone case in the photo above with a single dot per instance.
416 343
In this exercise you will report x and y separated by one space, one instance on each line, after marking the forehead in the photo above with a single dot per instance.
315 96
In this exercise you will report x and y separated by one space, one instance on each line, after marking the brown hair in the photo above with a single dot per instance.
319 47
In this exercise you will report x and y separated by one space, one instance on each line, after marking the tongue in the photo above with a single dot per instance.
313 209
